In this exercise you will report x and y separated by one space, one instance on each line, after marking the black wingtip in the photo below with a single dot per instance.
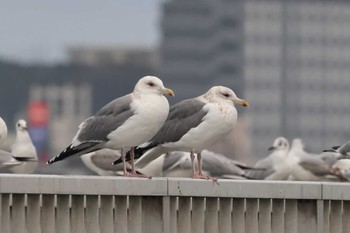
55 159
74 150
139 151
117 161
329 151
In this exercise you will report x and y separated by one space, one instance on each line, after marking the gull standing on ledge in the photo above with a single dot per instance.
123 123
192 126
23 150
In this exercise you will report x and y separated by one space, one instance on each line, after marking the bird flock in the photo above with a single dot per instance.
140 135
143 126
294 163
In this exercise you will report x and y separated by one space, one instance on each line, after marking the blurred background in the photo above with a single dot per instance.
61 61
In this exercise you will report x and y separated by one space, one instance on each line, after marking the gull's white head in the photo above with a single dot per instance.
297 144
341 168
280 144
3 130
152 85
21 126
220 94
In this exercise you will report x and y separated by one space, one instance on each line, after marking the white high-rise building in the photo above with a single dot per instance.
290 59
297 71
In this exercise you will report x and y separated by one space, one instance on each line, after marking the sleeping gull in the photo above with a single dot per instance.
23 150
192 126
341 168
306 166
100 162
7 160
178 164
275 166
123 123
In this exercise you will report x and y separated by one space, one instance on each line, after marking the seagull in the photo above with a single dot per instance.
342 151
275 166
341 168
100 162
306 166
124 123
23 150
7 160
192 126
178 163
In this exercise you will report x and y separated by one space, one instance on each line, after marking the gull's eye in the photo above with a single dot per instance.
151 84
280 144
18 125
226 95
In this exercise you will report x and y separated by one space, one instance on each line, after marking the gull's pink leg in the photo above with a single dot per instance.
133 171
132 157
199 159
192 162
200 171
126 173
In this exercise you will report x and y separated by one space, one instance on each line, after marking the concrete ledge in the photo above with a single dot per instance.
97 185
85 185
245 189
336 191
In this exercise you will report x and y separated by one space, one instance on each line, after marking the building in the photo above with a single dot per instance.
297 58
202 46
290 59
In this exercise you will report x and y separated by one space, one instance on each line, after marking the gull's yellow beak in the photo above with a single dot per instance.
168 91
241 102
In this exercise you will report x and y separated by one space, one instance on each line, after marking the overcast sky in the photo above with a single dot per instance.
40 30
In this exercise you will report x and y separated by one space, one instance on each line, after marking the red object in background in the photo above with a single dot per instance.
38 113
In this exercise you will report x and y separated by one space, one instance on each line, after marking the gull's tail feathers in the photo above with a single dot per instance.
81 149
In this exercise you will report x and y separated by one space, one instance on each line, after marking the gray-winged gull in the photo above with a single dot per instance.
194 125
341 168
123 123
178 164
306 166
342 151
100 162
275 166
7 160
23 150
